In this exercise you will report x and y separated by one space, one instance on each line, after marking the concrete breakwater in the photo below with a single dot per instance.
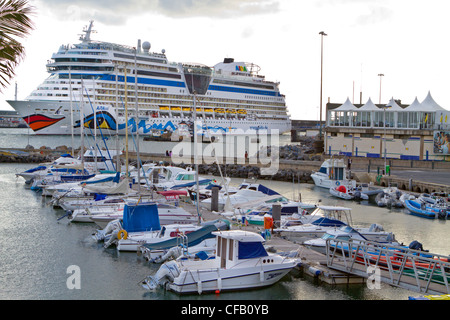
17 156
248 171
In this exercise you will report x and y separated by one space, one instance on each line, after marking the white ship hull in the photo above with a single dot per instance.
43 121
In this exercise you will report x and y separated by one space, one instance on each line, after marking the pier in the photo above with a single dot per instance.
414 270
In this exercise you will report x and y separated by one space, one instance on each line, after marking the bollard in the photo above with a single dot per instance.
276 214
155 176
215 199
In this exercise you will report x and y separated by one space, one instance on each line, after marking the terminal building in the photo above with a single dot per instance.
419 131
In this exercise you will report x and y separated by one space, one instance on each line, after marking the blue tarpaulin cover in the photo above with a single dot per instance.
266 190
36 169
248 250
327 222
99 196
141 217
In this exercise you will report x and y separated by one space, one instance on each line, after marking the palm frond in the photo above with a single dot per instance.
15 22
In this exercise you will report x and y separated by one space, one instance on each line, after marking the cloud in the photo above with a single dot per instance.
117 12
374 16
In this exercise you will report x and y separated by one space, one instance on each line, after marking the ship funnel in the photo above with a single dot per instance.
139 49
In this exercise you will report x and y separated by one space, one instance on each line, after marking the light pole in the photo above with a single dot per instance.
321 80
384 124
380 75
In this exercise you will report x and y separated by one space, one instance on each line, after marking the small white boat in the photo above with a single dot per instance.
332 173
328 218
348 233
320 221
389 200
188 241
43 169
348 193
102 215
156 174
241 263
183 179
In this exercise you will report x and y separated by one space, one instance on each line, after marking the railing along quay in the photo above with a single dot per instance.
398 266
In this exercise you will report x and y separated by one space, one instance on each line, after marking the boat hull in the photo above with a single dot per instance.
228 280
324 182
415 209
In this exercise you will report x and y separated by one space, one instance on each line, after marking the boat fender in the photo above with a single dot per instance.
316 272
199 287
122 234
261 276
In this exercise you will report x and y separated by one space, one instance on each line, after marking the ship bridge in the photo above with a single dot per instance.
198 77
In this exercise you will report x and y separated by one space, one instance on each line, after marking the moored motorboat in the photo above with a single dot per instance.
429 211
332 173
348 193
347 233
241 263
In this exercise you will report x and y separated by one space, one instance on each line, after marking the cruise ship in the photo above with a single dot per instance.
124 87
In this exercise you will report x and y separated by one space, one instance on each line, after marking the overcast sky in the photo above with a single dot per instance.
406 40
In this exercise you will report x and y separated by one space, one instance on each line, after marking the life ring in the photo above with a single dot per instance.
338 183
122 234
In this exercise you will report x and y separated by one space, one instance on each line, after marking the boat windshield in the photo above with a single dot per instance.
328 236
280 199
345 238
185 177
346 229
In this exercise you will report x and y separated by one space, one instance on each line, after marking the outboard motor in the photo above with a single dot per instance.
166 273
416 245
442 214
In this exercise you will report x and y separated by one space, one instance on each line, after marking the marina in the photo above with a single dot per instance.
142 178
104 271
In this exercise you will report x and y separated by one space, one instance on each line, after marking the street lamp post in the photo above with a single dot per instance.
384 124
321 80
380 75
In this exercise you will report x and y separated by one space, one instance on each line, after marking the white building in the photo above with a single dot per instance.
415 132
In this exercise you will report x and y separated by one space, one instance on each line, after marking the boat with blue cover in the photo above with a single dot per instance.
241 263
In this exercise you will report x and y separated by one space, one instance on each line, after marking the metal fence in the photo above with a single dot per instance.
399 266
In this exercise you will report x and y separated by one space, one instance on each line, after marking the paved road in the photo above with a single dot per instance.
441 177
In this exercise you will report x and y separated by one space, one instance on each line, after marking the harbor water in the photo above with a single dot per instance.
39 253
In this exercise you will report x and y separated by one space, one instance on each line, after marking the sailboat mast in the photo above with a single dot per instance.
126 122
138 165
71 108
82 123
